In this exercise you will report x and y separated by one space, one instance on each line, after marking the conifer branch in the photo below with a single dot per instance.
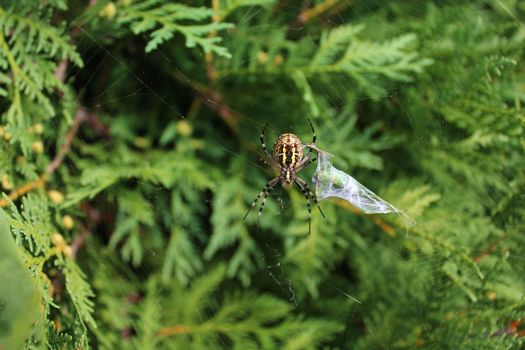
428 105
210 68
80 116
307 15
22 190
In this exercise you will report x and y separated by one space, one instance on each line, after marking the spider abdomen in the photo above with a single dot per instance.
288 150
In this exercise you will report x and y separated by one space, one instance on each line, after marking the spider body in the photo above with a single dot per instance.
287 160
287 153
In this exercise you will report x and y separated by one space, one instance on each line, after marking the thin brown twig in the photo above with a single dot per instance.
485 253
489 250
315 11
60 72
389 230
80 116
210 67
514 329
195 85
94 217
174 330
26 188
337 8
78 242
212 99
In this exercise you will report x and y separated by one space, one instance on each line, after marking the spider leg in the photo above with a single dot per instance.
304 162
261 138
305 192
314 137
314 197
269 159
266 194
265 191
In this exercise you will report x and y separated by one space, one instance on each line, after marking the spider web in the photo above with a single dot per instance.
276 268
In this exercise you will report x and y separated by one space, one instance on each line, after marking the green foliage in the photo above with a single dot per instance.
128 233
357 148
340 51
134 214
80 292
193 318
32 226
57 339
247 320
19 306
229 6
171 17
228 230
309 255
29 54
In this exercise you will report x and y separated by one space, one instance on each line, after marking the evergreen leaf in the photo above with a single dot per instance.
19 299
172 18
80 292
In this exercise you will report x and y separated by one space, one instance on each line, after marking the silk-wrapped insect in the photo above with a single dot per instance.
332 182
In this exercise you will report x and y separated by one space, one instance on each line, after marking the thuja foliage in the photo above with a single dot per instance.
129 154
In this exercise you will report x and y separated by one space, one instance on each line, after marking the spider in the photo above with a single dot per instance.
287 159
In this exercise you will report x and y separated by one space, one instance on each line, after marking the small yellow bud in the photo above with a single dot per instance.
491 295
20 160
6 183
262 57
67 251
278 59
184 128
109 11
58 240
38 128
142 142
67 222
37 147
56 196
197 144
418 330
7 135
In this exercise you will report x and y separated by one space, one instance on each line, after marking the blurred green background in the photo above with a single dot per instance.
129 136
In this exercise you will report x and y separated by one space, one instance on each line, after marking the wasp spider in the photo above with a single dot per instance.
287 160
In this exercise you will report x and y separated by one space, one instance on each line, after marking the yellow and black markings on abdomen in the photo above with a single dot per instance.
288 150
